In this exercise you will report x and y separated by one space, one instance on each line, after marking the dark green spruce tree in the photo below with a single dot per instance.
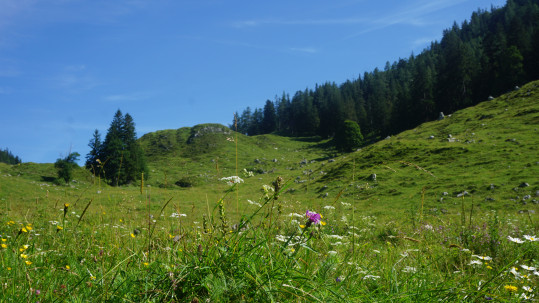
121 157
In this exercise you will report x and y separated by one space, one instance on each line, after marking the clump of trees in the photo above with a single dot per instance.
486 56
66 165
7 157
119 159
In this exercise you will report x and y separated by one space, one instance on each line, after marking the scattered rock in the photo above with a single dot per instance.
388 137
331 160
274 160
491 187
431 137
490 199
526 197
441 116
373 177
524 184
517 88
445 193
490 98
257 161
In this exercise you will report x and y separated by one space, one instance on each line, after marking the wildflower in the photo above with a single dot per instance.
527 288
254 203
67 267
329 207
92 277
4 245
4 240
511 288
23 229
10 222
38 292
372 277
302 226
232 180
530 238
515 272
24 256
28 227
332 253
132 235
313 217
527 267
476 262
489 267
28 262
486 258
59 228
146 264
515 240
409 269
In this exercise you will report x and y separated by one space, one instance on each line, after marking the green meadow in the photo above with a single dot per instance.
446 212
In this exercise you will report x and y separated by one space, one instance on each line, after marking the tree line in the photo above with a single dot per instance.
7 157
486 56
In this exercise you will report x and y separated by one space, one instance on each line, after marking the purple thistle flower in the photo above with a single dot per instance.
313 217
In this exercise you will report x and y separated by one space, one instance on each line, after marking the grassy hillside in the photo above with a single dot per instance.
444 212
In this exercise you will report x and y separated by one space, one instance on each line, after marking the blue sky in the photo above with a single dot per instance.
66 66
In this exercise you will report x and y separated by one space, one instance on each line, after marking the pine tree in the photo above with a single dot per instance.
269 120
95 151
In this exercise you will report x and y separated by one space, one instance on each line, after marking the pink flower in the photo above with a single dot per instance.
313 217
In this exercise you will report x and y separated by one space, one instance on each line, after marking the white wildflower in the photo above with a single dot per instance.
295 215
527 288
516 240
530 238
232 180
254 203
371 277
176 215
329 207
429 227
476 262
527 267
335 237
486 258
409 269
376 251
346 204
515 272
332 252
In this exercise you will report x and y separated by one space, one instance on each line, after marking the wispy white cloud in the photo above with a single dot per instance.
136 96
263 22
414 14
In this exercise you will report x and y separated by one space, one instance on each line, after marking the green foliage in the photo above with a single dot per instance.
7 157
486 56
349 137
121 159
66 165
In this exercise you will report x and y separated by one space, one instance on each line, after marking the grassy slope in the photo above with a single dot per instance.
494 143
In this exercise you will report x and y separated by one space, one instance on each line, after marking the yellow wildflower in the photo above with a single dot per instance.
58 227
132 235
24 230
67 267
146 263
4 240
28 262
24 256
28 227
4 245
511 288
302 226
